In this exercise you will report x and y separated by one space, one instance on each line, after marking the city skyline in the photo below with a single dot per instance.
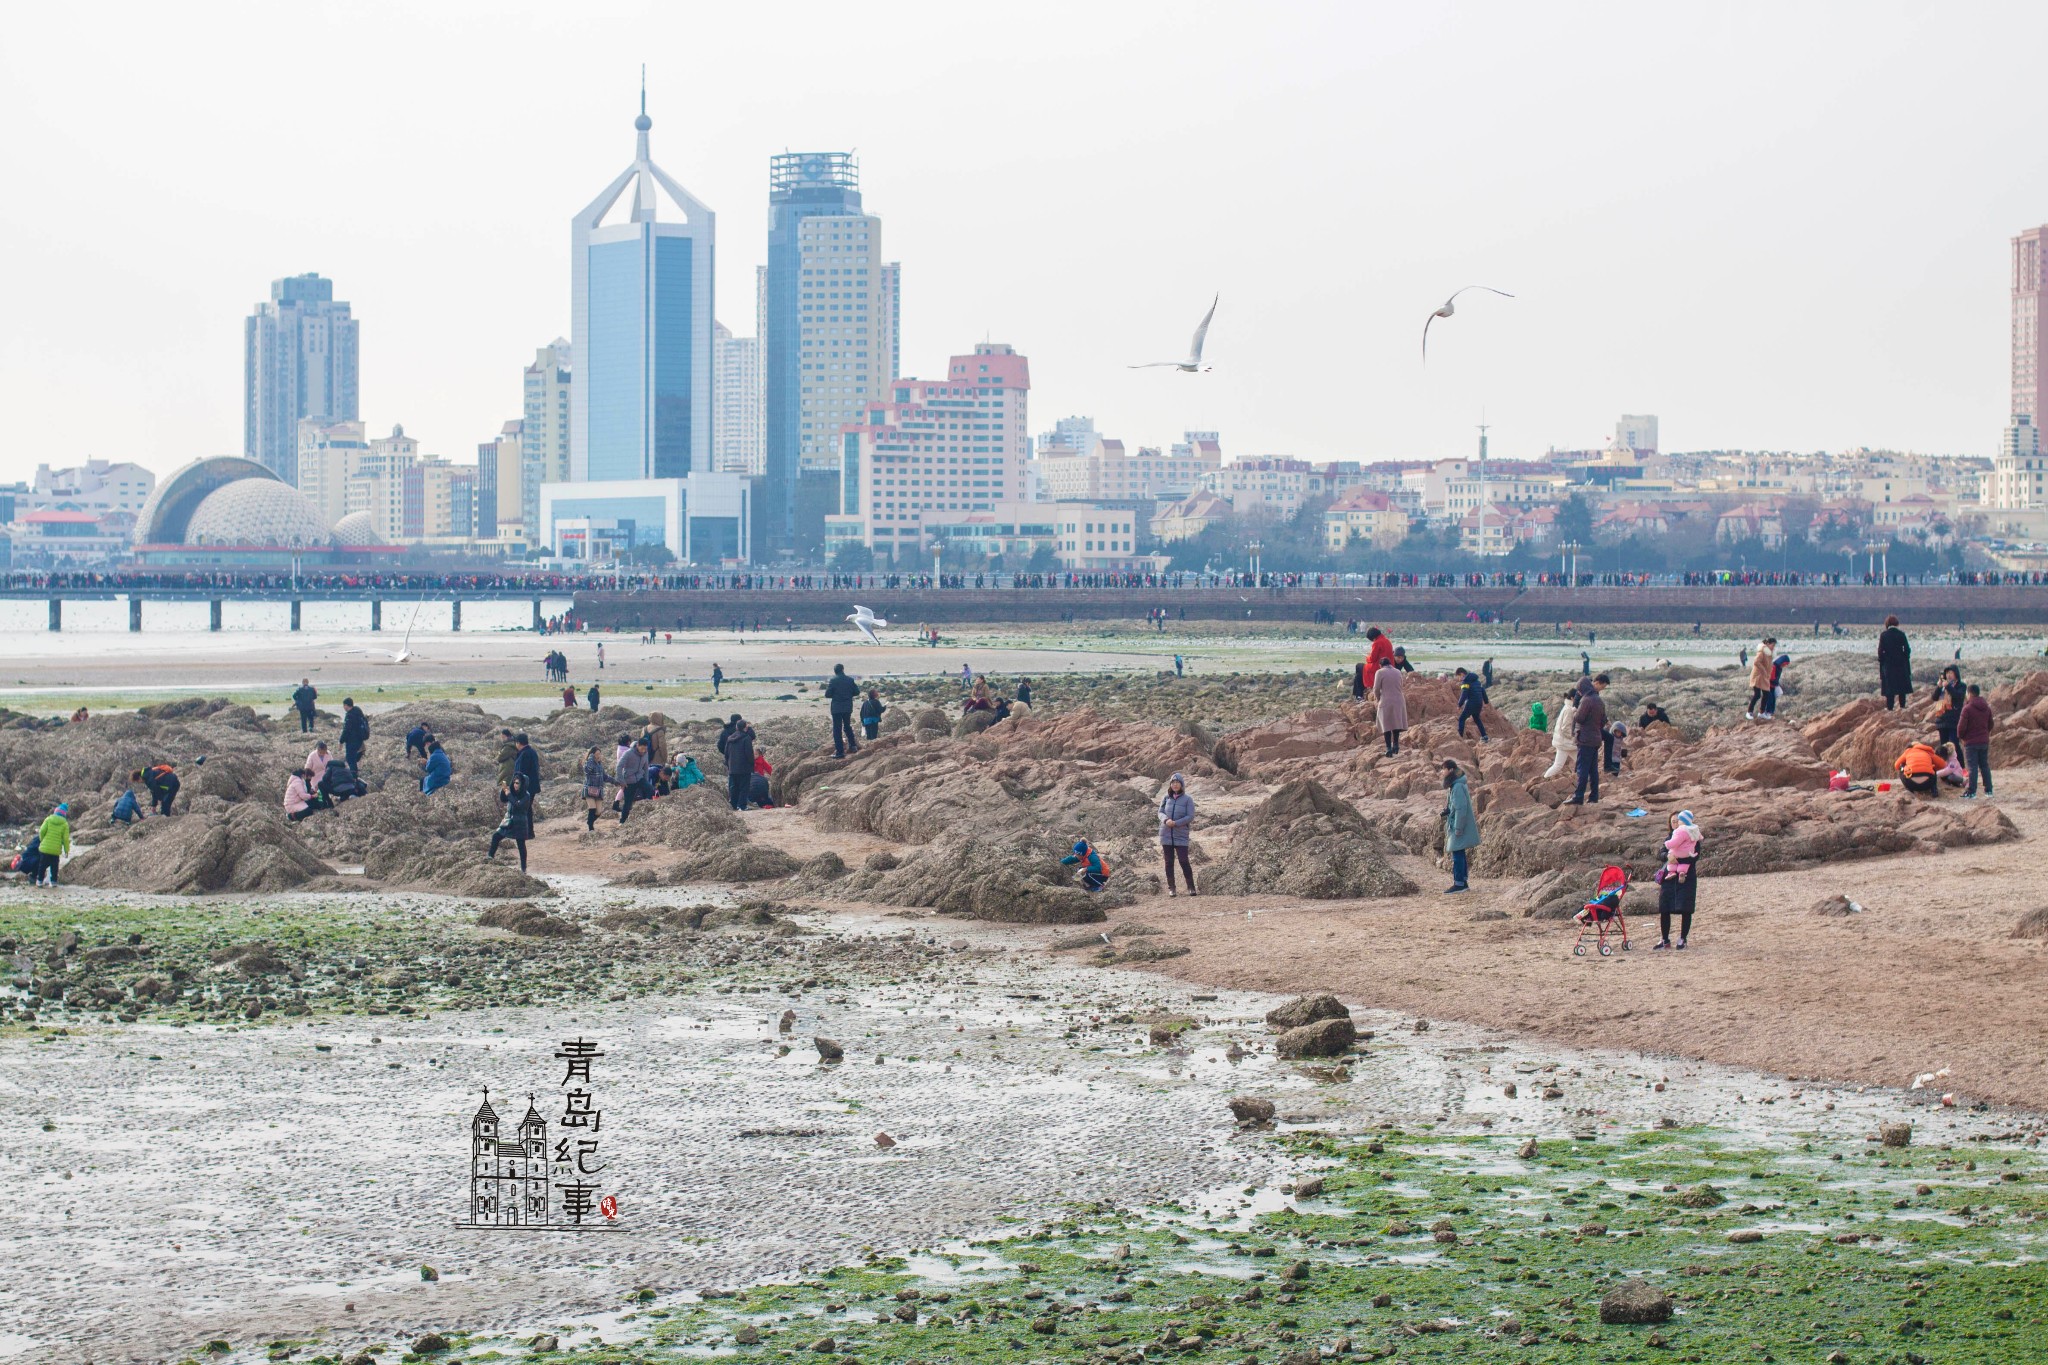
1688 260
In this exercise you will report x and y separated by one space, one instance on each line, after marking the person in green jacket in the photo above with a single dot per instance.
1539 720
53 842
1461 826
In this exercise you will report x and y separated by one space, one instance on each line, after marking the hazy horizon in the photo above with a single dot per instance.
1775 229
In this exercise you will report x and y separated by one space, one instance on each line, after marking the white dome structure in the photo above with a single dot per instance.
255 511
356 530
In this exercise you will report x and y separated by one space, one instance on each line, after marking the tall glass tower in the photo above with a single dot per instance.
828 319
298 360
641 405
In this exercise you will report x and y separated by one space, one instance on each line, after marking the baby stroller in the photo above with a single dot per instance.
1602 911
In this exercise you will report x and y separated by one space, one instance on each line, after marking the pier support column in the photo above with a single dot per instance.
538 623
295 615
56 613
376 614
135 613
455 615
213 614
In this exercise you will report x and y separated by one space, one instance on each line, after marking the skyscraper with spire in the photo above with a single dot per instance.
642 471
642 327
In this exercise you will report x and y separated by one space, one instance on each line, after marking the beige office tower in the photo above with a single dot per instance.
848 300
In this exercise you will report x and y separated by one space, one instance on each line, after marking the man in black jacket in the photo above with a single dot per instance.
526 764
738 748
304 698
840 692
355 732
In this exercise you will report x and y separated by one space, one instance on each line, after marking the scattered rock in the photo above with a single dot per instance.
1700 1196
746 1334
1510 1090
1527 1151
828 1051
1830 907
882 861
1250 1111
1324 1038
528 920
1895 1134
1306 1009
431 1344
1635 1301
429 1274
884 1141
1745 1236
544 1341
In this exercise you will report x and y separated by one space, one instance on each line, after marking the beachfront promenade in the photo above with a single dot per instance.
721 601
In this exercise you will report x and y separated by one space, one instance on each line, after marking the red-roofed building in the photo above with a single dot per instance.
1364 515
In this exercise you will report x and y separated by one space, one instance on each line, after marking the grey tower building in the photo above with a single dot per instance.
829 306
298 360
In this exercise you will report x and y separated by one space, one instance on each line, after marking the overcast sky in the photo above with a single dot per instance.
1775 226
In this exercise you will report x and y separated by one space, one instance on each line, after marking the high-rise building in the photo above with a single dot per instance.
327 453
935 449
544 435
2019 476
437 499
298 360
2028 396
500 469
736 403
641 302
376 482
1635 432
829 325
641 476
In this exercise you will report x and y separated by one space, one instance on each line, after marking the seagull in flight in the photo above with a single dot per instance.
1193 364
1450 307
866 622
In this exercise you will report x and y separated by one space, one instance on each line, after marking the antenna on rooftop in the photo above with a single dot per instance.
643 87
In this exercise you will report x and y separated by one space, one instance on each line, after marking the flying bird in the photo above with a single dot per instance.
866 622
1450 307
1193 364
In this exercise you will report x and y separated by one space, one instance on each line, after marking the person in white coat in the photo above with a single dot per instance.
1562 746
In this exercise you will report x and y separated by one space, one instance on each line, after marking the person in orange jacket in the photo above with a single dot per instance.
1917 768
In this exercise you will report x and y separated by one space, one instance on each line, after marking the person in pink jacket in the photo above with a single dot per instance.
298 797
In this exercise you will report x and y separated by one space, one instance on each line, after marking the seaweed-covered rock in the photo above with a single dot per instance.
1635 1301
1010 875
1306 1009
529 920
1324 1038
244 849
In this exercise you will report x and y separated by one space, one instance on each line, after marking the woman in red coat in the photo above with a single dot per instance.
1381 652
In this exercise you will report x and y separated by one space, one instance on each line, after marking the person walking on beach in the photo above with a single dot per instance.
590 697
53 842
355 733
569 697
871 715
1390 705
1471 697
1589 726
1973 732
717 679
600 656
737 745
303 699
1894 664
517 826
632 774
1561 727
1678 886
840 690
1760 678
1176 826
162 781
1461 826
595 779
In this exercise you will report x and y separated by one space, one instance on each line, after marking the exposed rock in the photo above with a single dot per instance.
1527 1151
1830 907
828 1051
528 920
1306 1009
1635 1301
1009 875
1302 841
1248 1110
1324 1038
246 849
882 860
2033 924
1701 1196
825 867
1895 1134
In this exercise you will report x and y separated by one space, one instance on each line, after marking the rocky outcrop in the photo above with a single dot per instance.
242 849
1302 841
